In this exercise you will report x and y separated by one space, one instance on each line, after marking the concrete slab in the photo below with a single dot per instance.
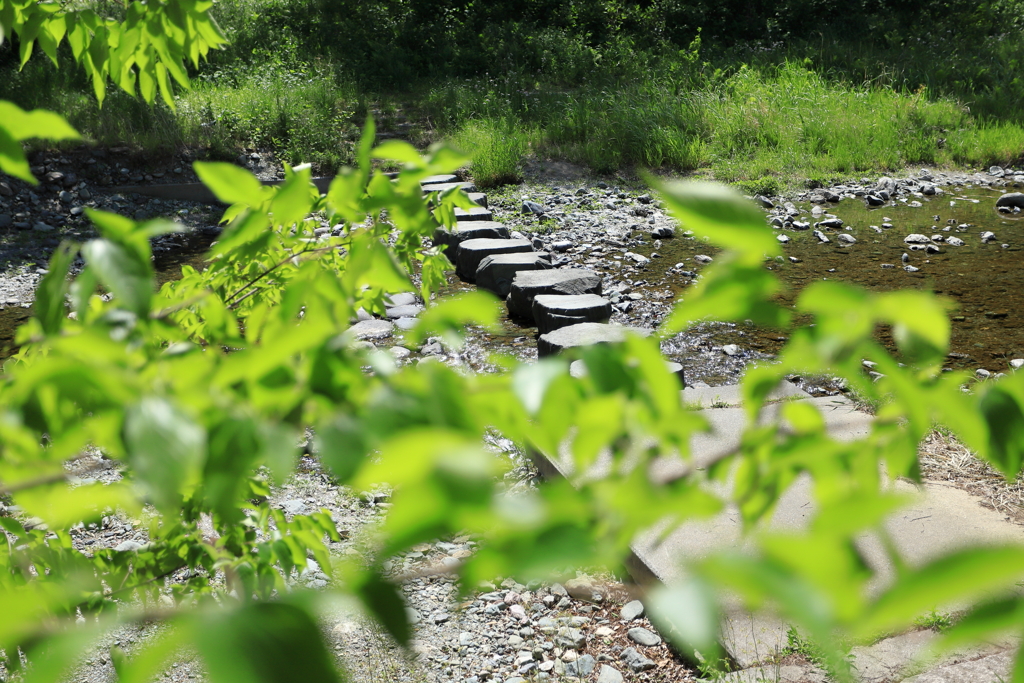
471 252
578 369
496 273
703 396
782 673
554 311
477 213
471 230
584 334
995 668
528 285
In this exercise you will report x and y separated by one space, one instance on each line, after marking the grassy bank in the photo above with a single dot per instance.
764 113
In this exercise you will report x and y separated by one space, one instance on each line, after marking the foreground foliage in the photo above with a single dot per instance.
202 392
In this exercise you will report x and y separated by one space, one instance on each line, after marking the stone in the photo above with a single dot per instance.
846 238
703 258
400 299
954 242
371 329
642 636
663 232
472 252
636 661
578 369
1011 199
561 245
584 334
608 674
988 236
468 231
821 236
5 190
632 610
127 546
496 273
527 285
874 200
916 238
66 197
533 208
552 311
731 349
782 238
1017 363
830 223
477 213
582 667
6 220
444 187
570 638
438 180
406 311
584 588
42 227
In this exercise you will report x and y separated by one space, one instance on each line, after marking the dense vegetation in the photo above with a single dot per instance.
764 93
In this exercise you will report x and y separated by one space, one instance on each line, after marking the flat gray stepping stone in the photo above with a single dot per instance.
528 284
479 197
444 187
477 213
552 311
371 329
472 252
401 299
495 273
578 369
439 179
406 311
584 334
406 323
471 230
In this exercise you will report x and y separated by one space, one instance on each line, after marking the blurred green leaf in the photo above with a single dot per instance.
231 184
166 449
263 643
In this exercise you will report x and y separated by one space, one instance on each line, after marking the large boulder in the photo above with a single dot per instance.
552 311
1011 199
528 284
495 273
472 252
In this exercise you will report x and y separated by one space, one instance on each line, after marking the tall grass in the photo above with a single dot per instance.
787 122
497 147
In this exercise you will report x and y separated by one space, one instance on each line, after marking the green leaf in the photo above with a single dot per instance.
722 215
398 150
531 381
50 308
263 643
1005 419
12 158
687 613
342 445
122 272
450 316
231 184
166 449
384 601
959 576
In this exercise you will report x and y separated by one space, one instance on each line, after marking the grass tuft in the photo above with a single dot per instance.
497 147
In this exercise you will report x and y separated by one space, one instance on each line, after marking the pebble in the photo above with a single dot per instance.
633 609
642 636
636 661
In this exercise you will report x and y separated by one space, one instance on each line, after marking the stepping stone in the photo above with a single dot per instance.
444 187
578 369
439 179
477 213
584 334
478 197
495 273
528 284
371 329
553 311
405 311
400 299
470 230
472 252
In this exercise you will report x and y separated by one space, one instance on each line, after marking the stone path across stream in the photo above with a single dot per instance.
567 306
